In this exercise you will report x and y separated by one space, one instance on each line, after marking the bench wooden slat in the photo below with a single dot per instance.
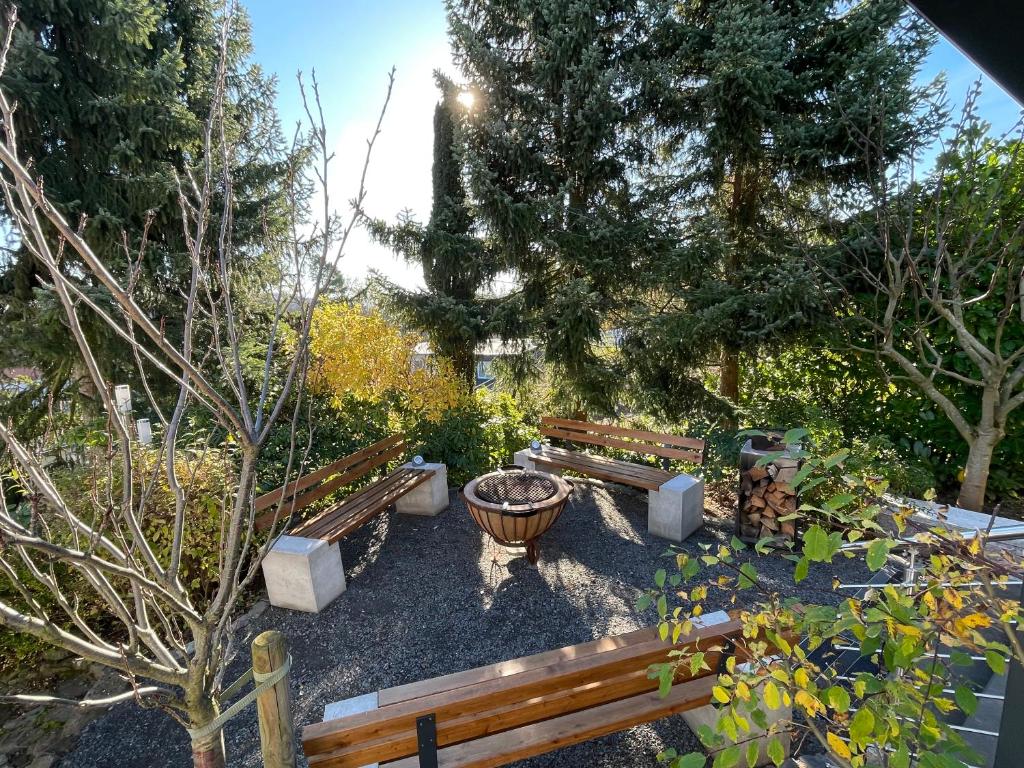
504 718
351 513
603 468
659 438
539 738
610 476
341 473
341 519
512 667
322 738
625 468
611 442
270 498
327 488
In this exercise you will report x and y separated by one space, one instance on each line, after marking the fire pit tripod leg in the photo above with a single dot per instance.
532 551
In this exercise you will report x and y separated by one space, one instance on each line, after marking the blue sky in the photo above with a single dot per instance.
352 44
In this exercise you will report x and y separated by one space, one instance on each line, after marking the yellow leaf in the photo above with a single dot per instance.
801 678
810 704
975 620
907 629
839 746
720 694
771 695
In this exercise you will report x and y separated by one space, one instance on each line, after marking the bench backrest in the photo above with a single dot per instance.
637 440
303 491
500 697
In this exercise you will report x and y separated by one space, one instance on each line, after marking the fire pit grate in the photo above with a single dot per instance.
516 505
515 488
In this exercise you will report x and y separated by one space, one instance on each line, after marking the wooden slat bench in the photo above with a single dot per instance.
675 501
303 570
513 710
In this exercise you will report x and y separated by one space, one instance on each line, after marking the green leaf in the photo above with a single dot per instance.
753 751
665 680
996 662
728 757
862 725
659 578
839 698
836 458
839 501
748 576
794 435
776 752
900 758
816 545
960 658
800 572
965 699
802 474
643 602
707 736
878 553
692 760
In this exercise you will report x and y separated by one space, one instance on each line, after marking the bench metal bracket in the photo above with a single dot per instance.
728 649
426 740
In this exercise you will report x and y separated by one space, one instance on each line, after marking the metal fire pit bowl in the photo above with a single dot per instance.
515 506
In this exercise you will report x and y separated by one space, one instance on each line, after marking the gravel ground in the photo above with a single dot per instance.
429 596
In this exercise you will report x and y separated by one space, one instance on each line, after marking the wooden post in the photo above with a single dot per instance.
274 706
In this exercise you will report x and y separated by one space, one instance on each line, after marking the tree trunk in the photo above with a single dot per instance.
208 752
729 382
464 363
979 460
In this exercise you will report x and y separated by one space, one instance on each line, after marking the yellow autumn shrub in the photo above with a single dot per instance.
361 354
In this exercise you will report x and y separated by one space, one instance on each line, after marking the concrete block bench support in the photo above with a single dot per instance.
429 498
676 509
675 502
303 570
524 458
303 574
357 705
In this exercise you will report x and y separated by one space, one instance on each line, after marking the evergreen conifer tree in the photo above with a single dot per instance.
113 98
552 149
759 106
457 264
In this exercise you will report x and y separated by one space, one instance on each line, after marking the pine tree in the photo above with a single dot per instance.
552 150
113 97
457 264
760 104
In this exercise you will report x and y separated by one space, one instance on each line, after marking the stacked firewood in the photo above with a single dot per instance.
765 496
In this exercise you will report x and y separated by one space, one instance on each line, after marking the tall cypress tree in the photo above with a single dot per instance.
457 264
113 96
552 152
760 105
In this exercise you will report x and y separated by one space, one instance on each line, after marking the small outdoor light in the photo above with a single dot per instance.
123 398
535 445
144 431
418 461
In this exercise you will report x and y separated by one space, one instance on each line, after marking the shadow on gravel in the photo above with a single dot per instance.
431 596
